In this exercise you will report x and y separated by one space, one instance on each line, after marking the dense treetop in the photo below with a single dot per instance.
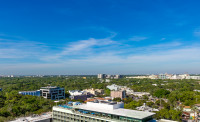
13 105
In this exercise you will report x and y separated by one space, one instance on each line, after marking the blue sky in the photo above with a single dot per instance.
99 36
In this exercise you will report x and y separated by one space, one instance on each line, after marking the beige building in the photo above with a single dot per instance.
116 94
95 91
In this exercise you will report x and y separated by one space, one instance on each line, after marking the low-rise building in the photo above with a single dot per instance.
83 97
196 90
154 84
79 97
49 92
183 76
146 108
176 77
95 91
128 91
198 107
153 76
33 93
193 77
114 87
187 108
107 80
103 76
140 94
75 92
139 77
189 115
108 76
165 120
52 92
99 111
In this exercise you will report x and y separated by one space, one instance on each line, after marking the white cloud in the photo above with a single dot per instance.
99 54
82 47
170 60
183 54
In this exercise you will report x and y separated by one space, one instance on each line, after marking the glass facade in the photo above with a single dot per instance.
33 93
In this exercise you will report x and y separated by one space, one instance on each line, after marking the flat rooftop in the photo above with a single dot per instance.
29 91
51 87
120 112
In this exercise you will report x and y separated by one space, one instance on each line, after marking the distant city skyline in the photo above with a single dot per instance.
93 37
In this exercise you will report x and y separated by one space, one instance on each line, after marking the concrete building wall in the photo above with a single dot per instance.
116 94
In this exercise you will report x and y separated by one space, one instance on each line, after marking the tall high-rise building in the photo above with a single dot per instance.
117 76
101 76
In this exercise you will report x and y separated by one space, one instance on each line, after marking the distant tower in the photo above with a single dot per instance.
101 76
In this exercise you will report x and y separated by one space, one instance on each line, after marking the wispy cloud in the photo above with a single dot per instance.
96 53
21 49
183 58
81 47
